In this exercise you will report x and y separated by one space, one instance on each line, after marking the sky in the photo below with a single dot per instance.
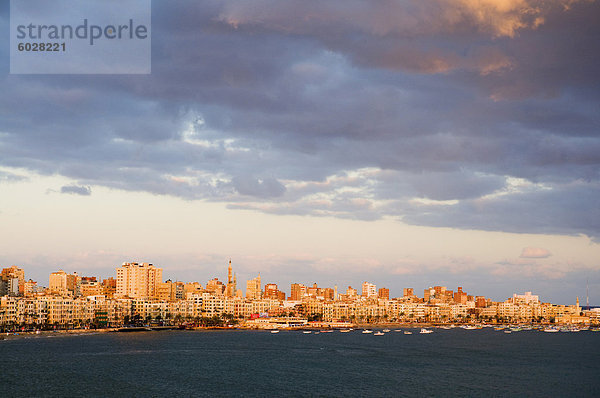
408 143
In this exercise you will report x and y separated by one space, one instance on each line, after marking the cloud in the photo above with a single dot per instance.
261 188
11 177
535 252
76 190
461 114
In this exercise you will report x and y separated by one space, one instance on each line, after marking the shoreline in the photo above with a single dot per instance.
5 336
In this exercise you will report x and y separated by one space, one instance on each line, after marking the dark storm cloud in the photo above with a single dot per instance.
352 109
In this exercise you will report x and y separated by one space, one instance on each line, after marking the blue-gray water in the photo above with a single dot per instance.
256 363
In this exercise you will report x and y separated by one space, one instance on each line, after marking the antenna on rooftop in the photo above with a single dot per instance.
587 293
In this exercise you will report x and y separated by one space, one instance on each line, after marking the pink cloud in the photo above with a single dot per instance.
535 252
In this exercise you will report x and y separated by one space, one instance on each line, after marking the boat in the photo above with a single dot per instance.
378 334
367 331
345 330
274 331
397 330
307 332
386 330
425 331
407 332
134 329
551 330
508 331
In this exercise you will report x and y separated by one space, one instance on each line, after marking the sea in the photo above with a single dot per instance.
243 363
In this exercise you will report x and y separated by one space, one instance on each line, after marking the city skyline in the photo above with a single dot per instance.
407 143
139 294
231 288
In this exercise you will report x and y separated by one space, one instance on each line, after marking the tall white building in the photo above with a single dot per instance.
138 280
58 282
526 298
369 290
253 288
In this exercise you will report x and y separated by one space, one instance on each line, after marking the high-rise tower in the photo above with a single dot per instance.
231 283
229 278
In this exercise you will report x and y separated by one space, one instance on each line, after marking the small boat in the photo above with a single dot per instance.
274 331
508 331
367 331
327 331
407 332
386 330
551 330
378 334
397 330
425 331
307 332
345 330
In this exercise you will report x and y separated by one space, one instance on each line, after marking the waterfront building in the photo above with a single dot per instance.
297 291
384 293
90 287
351 293
57 283
253 289
139 281
272 292
369 290
11 287
460 297
109 287
215 286
526 298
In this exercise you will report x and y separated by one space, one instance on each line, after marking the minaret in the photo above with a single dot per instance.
229 279
578 309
